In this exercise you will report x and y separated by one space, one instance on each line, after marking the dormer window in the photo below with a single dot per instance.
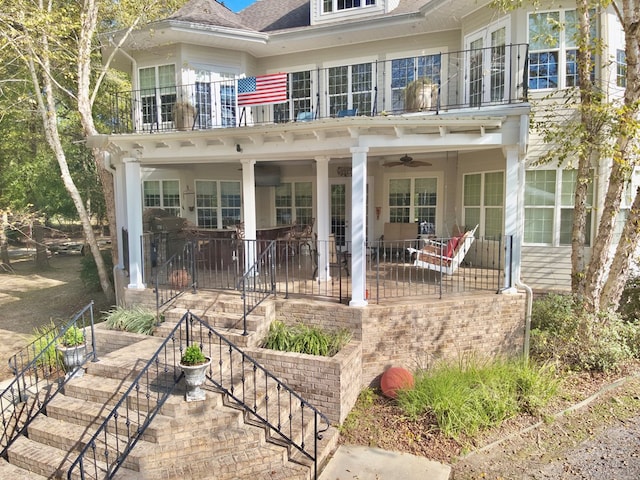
329 6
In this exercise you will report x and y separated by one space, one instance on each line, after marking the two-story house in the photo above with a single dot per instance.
350 117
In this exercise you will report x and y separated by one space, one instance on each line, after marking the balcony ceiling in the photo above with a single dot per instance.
435 16
383 136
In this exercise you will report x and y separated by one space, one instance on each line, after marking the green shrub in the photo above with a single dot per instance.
136 319
72 337
467 398
44 345
305 339
193 355
89 270
579 340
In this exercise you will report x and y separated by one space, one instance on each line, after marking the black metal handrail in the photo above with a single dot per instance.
472 78
175 276
252 387
105 452
259 281
39 374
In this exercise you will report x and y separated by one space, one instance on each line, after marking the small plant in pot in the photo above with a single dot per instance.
194 364
73 349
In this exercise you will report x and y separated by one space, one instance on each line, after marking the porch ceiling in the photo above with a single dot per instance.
332 137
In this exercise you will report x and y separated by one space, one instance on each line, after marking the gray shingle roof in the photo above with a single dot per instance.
208 12
263 15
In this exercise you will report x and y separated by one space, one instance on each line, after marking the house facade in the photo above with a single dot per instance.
350 117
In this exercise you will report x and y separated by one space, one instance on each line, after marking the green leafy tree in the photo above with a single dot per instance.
55 49
601 127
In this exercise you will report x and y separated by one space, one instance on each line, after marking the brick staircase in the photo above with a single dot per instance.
212 439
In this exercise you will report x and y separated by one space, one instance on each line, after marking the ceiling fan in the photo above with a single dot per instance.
407 161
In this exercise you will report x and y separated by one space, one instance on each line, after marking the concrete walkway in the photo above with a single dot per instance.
354 462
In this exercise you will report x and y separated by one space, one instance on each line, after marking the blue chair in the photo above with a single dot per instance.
304 116
348 113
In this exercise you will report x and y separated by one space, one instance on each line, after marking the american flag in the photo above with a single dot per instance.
262 90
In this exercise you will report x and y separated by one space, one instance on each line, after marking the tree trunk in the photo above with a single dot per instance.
42 260
5 260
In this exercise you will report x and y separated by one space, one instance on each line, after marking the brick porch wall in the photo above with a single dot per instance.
414 335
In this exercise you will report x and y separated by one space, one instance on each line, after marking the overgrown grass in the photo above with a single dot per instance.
305 339
581 341
467 398
43 343
136 319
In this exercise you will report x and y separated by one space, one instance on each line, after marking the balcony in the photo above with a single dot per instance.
429 84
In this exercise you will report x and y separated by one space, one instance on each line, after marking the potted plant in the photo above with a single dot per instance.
73 349
420 94
185 115
194 365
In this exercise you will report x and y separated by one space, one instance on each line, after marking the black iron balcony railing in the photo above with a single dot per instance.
430 83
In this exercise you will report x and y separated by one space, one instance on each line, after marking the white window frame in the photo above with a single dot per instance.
163 98
483 207
293 206
219 208
413 176
175 210
330 106
557 207
397 99
487 60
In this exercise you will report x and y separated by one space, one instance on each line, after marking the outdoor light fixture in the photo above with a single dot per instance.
238 148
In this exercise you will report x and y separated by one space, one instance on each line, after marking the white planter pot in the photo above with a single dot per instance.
72 358
194 377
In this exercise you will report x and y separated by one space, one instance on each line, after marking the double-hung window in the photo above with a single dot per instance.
406 70
413 200
218 203
553 49
164 194
549 204
294 203
350 87
157 94
337 5
483 200
621 68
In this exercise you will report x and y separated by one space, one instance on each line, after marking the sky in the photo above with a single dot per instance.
236 5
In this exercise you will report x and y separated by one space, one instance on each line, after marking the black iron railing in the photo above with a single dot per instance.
104 454
39 374
259 281
291 420
450 81
175 276
322 268
266 400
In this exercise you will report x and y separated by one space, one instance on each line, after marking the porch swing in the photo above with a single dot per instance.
443 257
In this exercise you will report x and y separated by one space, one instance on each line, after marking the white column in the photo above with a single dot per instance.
513 215
249 210
323 218
358 225
120 195
133 185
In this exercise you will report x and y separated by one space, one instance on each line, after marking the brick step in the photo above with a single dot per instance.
235 336
51 462
126 362
185 416
8 470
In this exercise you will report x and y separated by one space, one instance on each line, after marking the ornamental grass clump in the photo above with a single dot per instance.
468 398
136 320
305 339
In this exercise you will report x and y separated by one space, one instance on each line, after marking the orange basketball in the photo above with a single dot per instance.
394 379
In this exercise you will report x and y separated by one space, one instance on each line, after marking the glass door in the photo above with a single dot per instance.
486 66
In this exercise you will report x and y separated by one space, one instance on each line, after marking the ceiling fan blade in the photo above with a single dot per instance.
418 163
393 164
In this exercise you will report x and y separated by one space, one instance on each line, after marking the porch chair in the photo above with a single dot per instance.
443 257
304 116
351 112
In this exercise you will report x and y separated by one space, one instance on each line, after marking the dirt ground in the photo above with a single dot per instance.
31 298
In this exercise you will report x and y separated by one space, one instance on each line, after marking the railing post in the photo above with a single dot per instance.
93 333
